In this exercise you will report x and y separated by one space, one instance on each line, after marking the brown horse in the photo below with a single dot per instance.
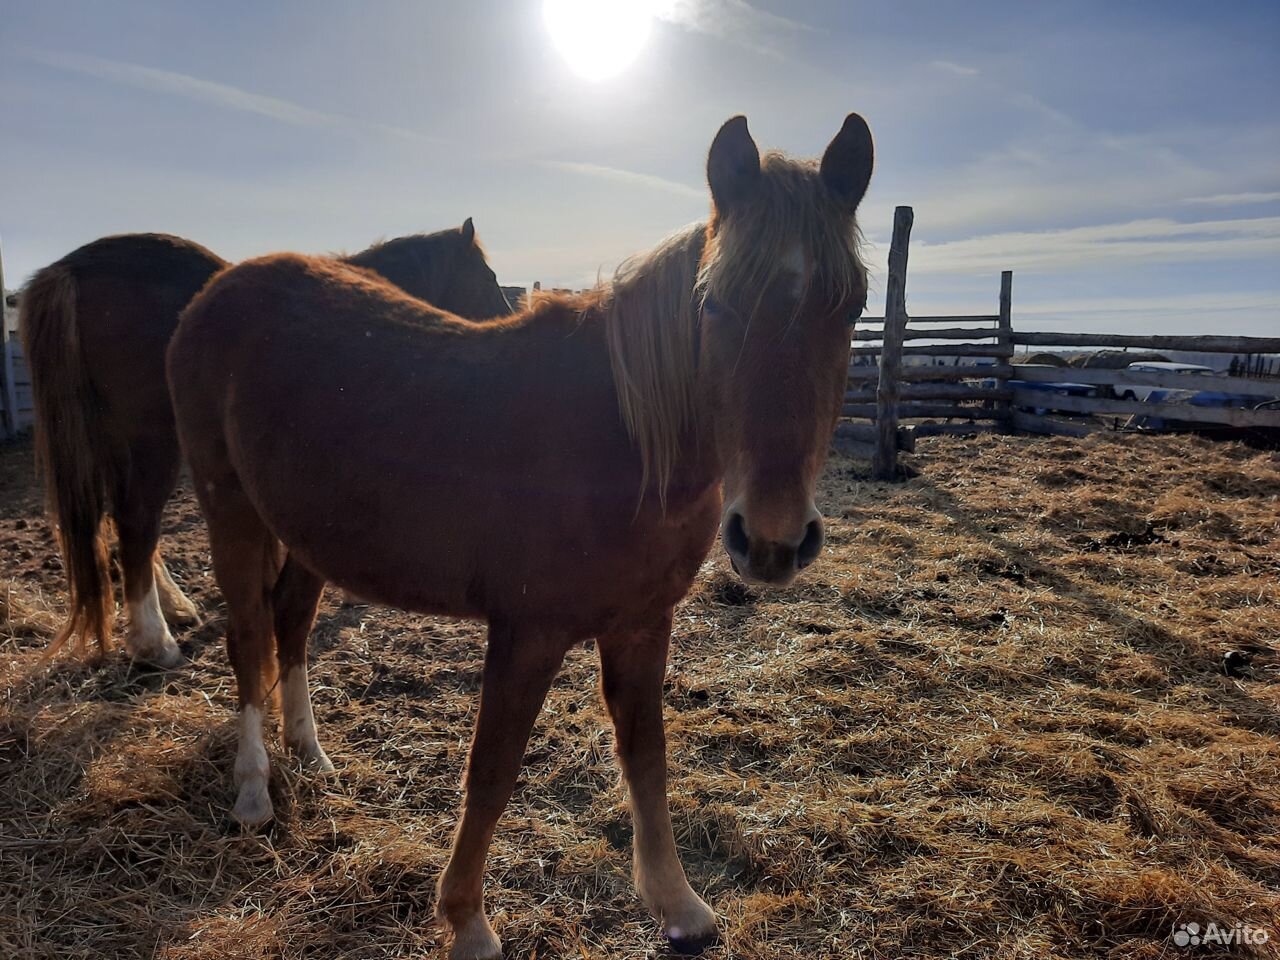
558 474
95 326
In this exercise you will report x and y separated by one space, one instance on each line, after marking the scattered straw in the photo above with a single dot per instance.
994 721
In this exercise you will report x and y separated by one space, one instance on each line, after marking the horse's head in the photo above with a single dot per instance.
472 286
779 284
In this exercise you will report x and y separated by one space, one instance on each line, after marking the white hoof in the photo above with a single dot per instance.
475 940
153 651
253 805
300 723
252 770
148 639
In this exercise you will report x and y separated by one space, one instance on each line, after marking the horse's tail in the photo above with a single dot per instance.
69 450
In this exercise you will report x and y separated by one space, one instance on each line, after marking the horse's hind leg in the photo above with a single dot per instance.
176 606
245 561
294 601
518 670
137 503
632 667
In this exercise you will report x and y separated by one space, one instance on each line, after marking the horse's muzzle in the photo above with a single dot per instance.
771 561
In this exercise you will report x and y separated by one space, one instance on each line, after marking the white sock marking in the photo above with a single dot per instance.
299 720
148 637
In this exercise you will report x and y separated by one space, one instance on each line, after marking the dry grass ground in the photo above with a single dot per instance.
994 721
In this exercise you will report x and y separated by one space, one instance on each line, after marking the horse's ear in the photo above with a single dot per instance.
846 166
733 165
468 231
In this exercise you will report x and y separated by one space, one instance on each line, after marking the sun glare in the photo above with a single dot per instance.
598 38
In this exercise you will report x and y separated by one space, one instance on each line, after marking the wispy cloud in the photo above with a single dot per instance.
617 175
735 21
171 83
1214 301
1248 312
957 69
1232 199
1115 244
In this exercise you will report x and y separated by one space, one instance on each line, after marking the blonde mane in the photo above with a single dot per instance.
651 326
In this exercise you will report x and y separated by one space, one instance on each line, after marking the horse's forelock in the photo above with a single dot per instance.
749 249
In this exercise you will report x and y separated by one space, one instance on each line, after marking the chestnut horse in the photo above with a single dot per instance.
95 326
560 474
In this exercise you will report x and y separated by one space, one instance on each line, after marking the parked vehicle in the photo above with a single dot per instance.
1136 391
1061 388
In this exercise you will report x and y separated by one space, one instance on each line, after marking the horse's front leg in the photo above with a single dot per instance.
632 666
519 666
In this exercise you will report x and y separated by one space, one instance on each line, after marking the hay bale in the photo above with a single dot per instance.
1043 359
1114 359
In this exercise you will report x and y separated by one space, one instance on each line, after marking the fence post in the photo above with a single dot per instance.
1004 337
8 395
885 465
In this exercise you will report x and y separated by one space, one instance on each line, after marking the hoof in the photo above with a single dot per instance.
164 656
315 760
182 614
475 940
693 944
253 806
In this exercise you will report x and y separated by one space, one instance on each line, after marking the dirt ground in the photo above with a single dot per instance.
995 720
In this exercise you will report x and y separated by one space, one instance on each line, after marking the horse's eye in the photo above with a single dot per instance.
719 313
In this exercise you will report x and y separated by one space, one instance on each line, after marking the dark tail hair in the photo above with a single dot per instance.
69 451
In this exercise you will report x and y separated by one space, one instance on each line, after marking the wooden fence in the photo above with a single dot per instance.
966 376
16 409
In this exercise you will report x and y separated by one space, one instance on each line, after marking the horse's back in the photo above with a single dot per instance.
158 258
130 290
441 465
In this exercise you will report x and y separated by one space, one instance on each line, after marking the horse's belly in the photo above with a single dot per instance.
439 526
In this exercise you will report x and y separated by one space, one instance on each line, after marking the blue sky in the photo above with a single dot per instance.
1122 158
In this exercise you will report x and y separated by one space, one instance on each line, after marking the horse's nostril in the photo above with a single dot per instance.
811 545
735 535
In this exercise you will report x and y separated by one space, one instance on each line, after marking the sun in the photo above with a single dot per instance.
598 38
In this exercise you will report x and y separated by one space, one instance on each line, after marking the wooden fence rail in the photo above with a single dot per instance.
1166 379
900 371
16 406
1244 345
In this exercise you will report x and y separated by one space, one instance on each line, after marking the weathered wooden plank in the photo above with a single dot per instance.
870 433
858 449
942 333
944 350
8 401
920 410
935 391
944 429
1052 426
948 319
1005 326
1229 416
895 314
1248 386
968 371
1207 344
